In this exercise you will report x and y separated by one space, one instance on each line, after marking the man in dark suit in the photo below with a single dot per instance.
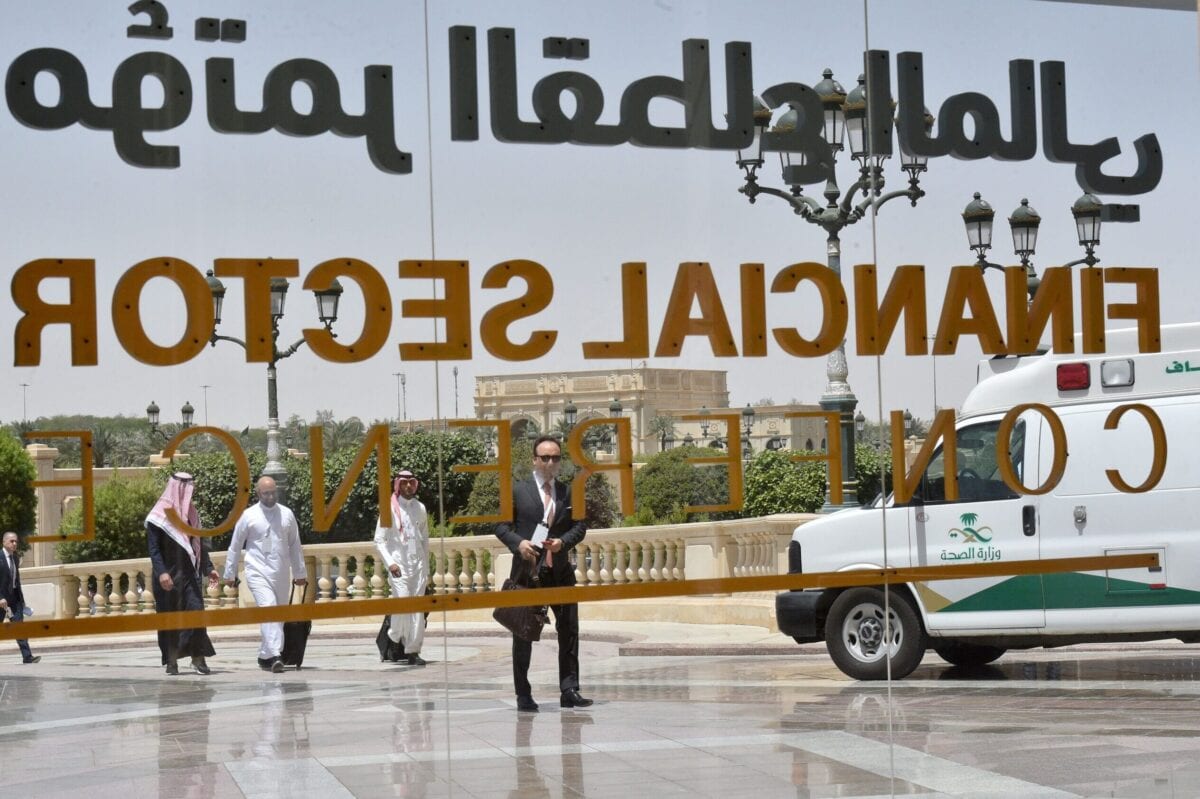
544 502
12 600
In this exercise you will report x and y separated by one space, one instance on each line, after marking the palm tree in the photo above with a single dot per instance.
562 429
346 433
662 427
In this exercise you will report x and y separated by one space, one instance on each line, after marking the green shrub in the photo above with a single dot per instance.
777 484
668 483
18 500
121 508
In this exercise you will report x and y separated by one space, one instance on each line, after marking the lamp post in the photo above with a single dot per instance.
747 427
615 411
187 413
570 413
24 407
205 389
401 409
704 423
1024 223
327 309
844 116
455 372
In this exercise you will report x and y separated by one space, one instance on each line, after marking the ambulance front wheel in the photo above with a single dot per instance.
862 633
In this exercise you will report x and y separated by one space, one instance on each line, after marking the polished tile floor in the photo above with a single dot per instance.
104 721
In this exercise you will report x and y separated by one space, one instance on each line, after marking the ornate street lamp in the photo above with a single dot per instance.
187 413
860 425
844 121
217 289
570 413
704 423
914 165
1087 210
327 309
752 159
978 216
327 304
747 427
615 411
1024 223
833 100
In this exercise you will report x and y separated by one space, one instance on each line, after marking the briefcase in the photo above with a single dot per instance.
389 650
295 638
526 621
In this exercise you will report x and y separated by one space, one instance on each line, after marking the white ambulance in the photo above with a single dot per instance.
974 621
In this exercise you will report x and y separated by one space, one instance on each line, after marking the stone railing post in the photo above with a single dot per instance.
341 583
359 583
501 567
323 571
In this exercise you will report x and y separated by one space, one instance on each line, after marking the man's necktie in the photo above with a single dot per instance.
549 503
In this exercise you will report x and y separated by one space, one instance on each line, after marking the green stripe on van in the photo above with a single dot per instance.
1069 591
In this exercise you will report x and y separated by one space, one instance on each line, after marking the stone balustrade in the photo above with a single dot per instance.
348 572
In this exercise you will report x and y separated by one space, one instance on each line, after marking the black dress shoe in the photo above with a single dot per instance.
416 660
525 704
265 663
573 699
173 668
199 666
34 659
277 666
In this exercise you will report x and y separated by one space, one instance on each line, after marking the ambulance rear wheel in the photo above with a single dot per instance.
861 634
961 653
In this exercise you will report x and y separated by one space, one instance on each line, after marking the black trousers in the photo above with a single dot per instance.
566 624
18 615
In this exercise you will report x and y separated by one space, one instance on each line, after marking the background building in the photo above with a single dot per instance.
539 400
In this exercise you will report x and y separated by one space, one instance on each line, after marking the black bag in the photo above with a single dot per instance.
388 650
295 637
394 651
525 622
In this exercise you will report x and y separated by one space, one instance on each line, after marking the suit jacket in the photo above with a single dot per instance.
14 596
528 510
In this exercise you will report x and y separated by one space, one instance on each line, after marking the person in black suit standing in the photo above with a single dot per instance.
544 502
12 599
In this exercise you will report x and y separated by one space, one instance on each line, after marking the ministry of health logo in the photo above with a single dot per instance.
969 533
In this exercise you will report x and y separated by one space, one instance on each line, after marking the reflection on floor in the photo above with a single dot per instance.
1064 723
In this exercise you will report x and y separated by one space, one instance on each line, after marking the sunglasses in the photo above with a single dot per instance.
549 458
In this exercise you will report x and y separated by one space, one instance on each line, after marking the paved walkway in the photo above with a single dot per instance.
681 710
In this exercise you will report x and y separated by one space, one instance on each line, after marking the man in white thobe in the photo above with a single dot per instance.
404 550
274 562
